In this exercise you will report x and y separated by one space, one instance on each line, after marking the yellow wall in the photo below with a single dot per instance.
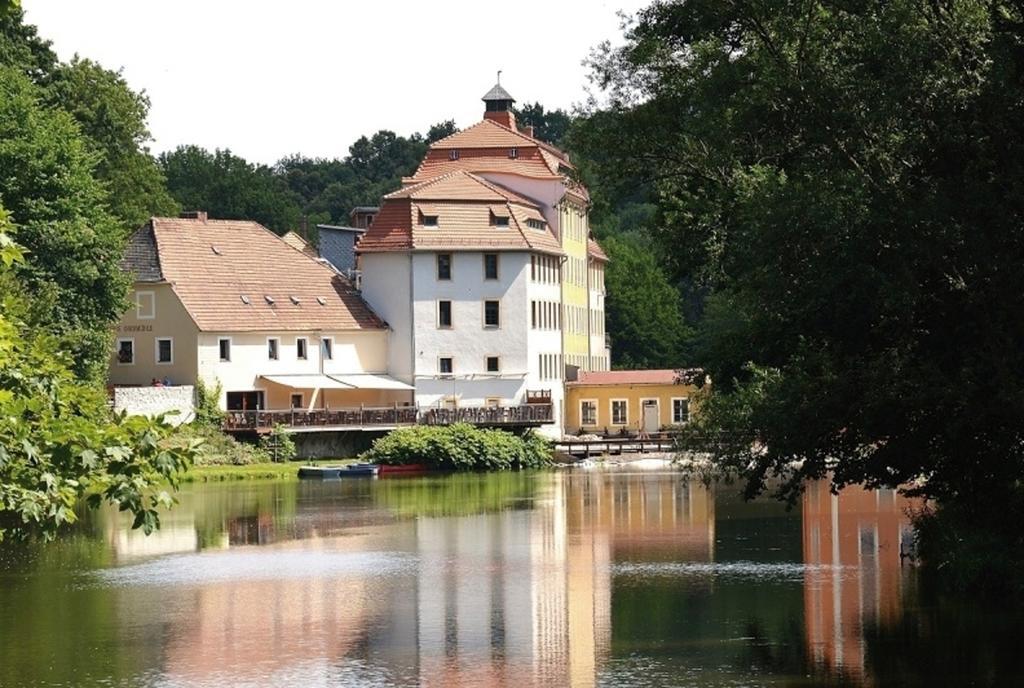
633 394
170 320
575 297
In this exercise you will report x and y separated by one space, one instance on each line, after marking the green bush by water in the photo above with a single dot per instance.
460 447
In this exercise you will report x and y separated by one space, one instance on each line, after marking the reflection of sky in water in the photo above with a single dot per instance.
254 565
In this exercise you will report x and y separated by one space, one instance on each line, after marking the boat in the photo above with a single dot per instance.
403 469
332 472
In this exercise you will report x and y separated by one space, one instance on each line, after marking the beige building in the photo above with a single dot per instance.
228 303
614 401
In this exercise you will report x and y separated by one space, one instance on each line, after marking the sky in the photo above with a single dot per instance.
269 79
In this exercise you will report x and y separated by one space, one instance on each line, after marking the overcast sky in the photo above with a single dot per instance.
267 79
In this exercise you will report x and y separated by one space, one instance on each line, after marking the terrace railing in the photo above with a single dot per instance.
388 416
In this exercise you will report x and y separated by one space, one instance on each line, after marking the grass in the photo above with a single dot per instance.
254 471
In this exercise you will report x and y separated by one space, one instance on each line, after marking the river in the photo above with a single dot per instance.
611 577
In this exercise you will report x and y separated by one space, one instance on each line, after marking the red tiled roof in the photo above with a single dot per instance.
464 205
300 244
595 251
213 264
669 376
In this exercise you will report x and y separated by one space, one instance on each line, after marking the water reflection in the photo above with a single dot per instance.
555 579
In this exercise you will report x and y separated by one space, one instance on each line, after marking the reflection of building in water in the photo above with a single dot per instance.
524 597
856 537
644 516
512 599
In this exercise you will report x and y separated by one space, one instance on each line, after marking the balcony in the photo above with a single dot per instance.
386 418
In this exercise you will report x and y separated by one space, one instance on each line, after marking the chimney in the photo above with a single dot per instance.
193 215
528 130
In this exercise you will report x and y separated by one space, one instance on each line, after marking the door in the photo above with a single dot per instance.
245 401
652 423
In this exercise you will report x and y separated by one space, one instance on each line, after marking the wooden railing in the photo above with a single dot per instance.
388 416
527 414
361 416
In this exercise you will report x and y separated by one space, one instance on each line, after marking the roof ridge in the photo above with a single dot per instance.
407 191
504 191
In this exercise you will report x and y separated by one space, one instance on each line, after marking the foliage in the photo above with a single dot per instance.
208 411
229 187
112 117
550 126
74 244
297 191
644 314
219 448
459 447
846 179
57 440
278 444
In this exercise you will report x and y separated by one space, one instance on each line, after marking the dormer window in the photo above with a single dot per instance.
513 153
453 154
535 224
430 220
501 221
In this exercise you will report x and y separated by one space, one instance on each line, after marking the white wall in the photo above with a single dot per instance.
386 287
178 401
354 352
468 342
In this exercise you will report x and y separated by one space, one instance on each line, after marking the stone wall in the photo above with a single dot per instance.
150 401
334 445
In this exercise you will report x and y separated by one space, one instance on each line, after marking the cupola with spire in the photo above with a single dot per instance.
498 104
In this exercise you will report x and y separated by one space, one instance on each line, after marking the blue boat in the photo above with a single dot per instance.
355 470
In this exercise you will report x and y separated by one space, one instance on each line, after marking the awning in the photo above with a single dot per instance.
308 381
370 381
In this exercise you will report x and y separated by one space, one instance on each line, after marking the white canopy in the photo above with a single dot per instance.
371 381
308 381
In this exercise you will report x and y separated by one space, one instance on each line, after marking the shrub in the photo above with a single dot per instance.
208 405
278 444
460 447
219 448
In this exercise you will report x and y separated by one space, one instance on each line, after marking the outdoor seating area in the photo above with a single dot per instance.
385 417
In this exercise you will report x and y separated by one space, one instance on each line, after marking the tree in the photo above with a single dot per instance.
644 318
550 126
229 187
74 244
57 441
847 181
113 118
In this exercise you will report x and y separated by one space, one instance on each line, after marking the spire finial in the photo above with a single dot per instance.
499 77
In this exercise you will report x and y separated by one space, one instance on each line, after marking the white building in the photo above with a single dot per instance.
227 303
447 220
466 274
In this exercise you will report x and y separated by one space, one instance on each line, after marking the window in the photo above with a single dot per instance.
535 224
500 220
680 410
273 347
327 348
445 365
493 364
491 314
430 220
444 313
513 153
492 402
165 350
588 412
297 401
145 305
300 348
224 348
491 266
125 351
453 154
620 416
444 266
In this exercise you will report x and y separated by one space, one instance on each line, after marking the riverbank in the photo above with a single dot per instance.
255 471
